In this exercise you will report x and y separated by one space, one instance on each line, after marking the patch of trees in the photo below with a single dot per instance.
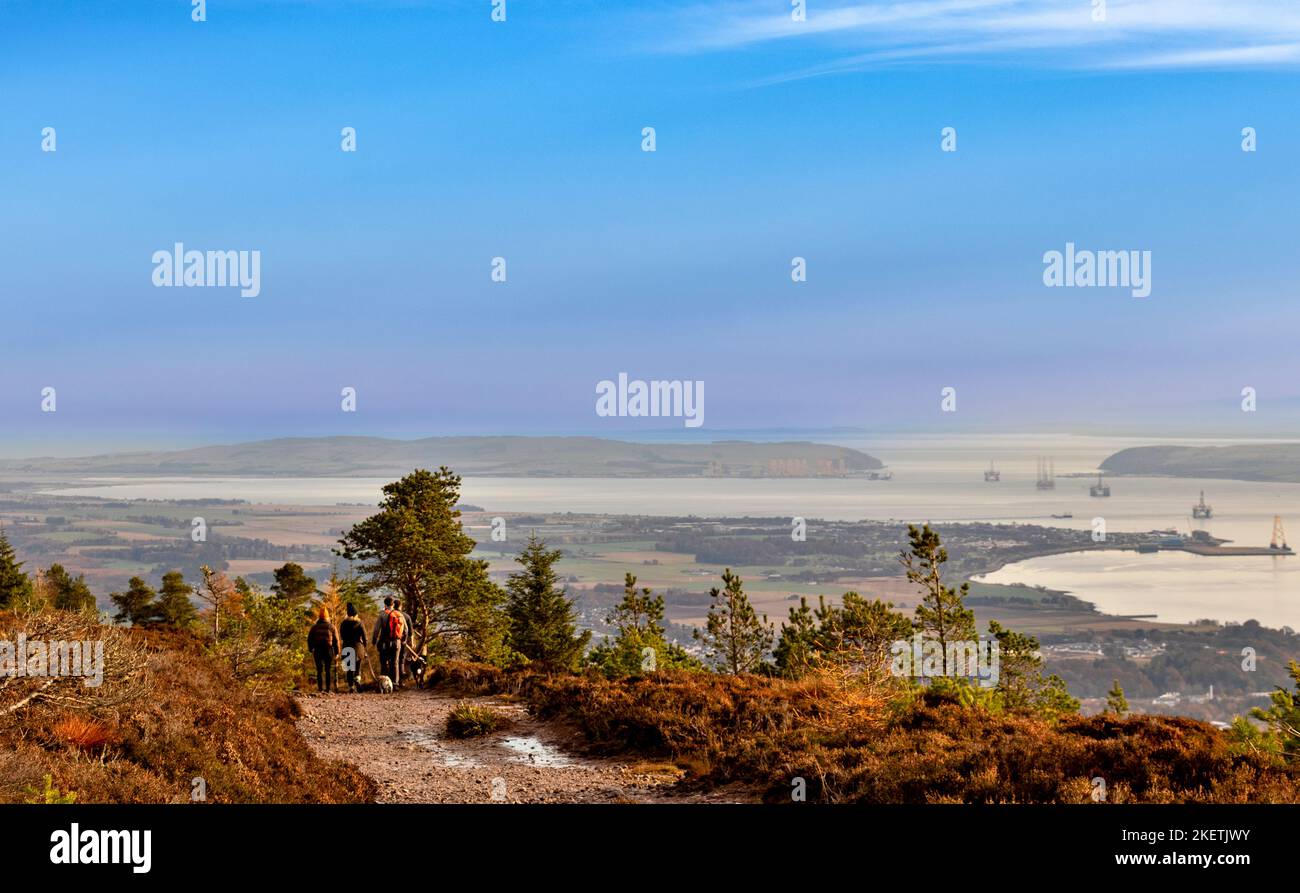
171 521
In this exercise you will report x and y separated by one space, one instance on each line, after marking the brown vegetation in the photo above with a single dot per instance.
860 747
188 719
83 733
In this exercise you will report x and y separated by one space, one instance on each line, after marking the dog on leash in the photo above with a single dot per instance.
416 667
385 685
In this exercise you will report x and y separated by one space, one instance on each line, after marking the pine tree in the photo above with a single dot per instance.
135 606
417 548
942 613
1116 703
543 627
267 619
855 635
478 618
293 586
70 593
1283 716
1021 683
735 639
860 632
174 606
639 619
15 586
795 650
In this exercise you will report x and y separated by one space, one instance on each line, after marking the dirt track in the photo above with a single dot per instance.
400 741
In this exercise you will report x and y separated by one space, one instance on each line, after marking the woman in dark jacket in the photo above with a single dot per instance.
352 633
323 642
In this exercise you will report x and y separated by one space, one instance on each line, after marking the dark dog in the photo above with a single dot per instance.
416 667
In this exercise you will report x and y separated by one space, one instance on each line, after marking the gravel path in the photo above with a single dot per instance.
400 741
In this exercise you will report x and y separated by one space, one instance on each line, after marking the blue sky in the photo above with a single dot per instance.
522 139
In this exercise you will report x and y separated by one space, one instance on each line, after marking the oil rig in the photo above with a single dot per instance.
1046 474
992 475
1099 489
1278 543
1201 510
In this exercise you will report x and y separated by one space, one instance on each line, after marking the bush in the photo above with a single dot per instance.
51 794
872 747
472 721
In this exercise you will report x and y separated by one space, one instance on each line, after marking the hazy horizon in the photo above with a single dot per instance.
860 438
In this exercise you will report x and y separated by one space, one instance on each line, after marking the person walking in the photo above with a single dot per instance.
404 645
352 635
382 636
323 643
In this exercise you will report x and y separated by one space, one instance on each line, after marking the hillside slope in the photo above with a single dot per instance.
1248 462
509 456
180 718
855 748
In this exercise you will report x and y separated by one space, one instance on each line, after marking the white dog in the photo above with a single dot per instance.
385 685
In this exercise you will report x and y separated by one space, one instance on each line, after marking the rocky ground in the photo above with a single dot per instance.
400 740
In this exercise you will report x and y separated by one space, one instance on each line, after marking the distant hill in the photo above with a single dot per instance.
507 456
1255 462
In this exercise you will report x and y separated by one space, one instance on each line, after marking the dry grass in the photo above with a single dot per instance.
864 743
473 721
83 733
939 751
193 720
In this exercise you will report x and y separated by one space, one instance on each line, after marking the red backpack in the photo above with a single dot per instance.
396 626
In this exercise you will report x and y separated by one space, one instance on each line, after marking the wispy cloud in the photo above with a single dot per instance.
1064 33
1267 54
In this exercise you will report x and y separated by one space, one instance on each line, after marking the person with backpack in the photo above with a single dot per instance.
387 635
399 630
323 643
404 646
352 634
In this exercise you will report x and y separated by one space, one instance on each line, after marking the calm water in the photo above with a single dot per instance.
1175 586
935 479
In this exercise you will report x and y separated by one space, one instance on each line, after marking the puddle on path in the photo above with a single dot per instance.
528 750
444 755
533 751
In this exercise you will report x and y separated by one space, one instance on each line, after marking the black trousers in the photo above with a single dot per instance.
352 673
388 661
324 669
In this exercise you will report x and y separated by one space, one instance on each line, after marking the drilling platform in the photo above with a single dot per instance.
1046 474
992 475
1099 489
1201 509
